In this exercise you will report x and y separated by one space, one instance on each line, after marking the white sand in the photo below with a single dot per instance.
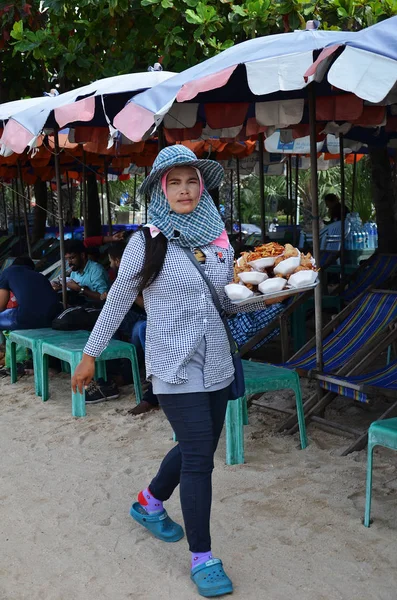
287 524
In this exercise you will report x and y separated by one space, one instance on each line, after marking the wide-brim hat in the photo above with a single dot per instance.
179 156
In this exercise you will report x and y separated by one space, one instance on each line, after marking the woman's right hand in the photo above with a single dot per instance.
83 374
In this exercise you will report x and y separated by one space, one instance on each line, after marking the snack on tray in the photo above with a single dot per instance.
272 261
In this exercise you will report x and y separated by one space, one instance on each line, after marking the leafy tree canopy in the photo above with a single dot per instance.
72 43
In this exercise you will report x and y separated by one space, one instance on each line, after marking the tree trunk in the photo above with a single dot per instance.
384 195
40 214
93 225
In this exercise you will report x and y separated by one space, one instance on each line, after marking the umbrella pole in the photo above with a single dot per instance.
4 208
261 142
354 181
14 227
315 226
231 201
238 200
110 230
102 203
291 198
18 210
161 138
84 195
133 208
25 214
296 199
343 204
70 198
287 189
146 198
60 219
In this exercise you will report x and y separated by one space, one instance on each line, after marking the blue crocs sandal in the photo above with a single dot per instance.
211 579
160 524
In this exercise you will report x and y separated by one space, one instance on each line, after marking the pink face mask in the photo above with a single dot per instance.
164 181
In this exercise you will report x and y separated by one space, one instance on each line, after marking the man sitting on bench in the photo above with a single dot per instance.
87 278
37 303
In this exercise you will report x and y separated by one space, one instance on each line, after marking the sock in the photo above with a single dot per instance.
198 558
149 502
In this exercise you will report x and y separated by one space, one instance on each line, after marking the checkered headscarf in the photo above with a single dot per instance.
204 224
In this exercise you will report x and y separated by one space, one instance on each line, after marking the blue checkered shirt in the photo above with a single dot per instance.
180 311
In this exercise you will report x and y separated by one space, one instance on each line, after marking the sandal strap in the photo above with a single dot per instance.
209 563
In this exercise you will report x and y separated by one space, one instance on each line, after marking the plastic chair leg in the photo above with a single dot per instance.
78 400
300 413
100 370
235 432
245 411
44 378
368 492
37 370
135 374
13 361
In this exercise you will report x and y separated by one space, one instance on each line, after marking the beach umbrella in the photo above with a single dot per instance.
260 85
94 104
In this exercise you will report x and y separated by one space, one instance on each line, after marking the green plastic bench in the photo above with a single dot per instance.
33 339
259 377
70 350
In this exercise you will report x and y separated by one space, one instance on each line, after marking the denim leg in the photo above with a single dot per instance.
138 334
9 318
197 420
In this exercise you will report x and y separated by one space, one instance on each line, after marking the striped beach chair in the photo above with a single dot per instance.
355 327
362 383
351 343
373 273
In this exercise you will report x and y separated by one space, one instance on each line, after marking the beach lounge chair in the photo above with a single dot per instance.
374 273
361 383
355 337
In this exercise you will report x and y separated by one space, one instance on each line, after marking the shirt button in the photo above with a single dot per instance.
206 272
203 296
205 321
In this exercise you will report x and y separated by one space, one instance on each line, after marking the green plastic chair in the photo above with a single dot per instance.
70 350
34 339
380 433
259 377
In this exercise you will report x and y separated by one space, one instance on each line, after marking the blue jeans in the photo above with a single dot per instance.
138 334
197 420
9 318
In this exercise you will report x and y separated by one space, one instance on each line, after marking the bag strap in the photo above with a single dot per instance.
218 306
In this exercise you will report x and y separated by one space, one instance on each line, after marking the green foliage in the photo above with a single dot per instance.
74 43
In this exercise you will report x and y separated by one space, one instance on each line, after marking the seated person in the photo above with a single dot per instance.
92 244
137 310
37 303
87 277
334 206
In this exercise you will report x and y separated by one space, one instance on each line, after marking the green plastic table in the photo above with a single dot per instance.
70 350
259 377
34 339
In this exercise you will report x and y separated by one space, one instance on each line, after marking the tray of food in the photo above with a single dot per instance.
271 271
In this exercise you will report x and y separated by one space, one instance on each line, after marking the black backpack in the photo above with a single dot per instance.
76 317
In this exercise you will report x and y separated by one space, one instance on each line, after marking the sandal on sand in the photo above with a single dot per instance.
160 524
211 579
